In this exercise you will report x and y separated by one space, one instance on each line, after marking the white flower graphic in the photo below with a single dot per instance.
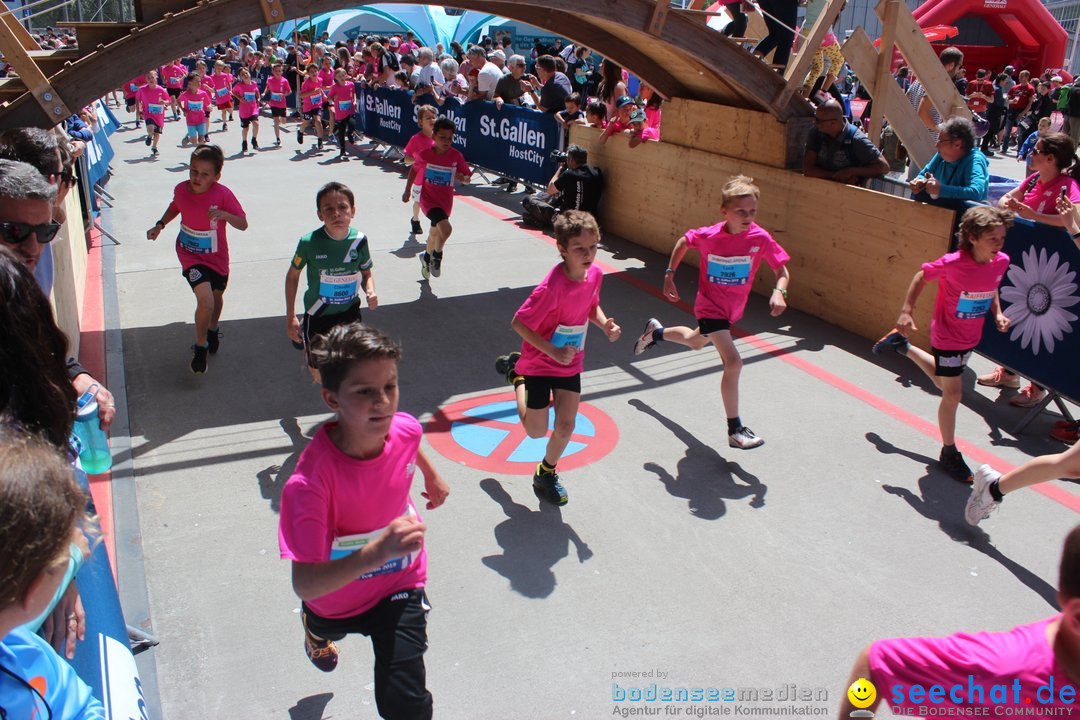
1041 289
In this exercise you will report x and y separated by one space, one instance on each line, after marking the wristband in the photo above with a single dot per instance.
781 290
669 270
160 223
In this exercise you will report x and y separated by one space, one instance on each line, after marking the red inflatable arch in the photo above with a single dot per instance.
996 33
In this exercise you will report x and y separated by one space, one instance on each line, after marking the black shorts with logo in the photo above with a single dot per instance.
199 274
950 363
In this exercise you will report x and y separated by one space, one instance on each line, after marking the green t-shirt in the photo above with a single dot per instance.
334 270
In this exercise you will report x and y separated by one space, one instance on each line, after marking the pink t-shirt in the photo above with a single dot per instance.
331 496
558 309
413 148
962 670
174 75
278 89
200 241
313 101
652 118
650 133
132 86
153 101
1042 198
727 267
247 94
196 106
439 172
222 83
343 99
326 80
966 291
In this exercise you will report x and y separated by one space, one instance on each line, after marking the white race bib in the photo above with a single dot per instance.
973 305
200 242
439 175
337 289
155 109
570 336
729 270
347 544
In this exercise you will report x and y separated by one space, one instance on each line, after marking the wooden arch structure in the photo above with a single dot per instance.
672 50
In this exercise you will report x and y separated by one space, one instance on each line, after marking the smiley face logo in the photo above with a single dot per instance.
862 693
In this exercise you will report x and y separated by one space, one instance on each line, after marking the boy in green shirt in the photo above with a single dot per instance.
338 264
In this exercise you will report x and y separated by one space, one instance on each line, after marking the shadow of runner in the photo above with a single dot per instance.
311 707
272 479
704 477
533 541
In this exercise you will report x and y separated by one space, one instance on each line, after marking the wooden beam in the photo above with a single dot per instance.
658 18
796 71
924 62
28 71
273 11
884 68
862 57
26 40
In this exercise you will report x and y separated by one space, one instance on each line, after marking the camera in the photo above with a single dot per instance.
557 156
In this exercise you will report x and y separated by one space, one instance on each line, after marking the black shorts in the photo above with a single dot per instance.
950 363
313 326
538 388
277 112
436 215
151 124
244 122
130 104
707 326
174 92
315 114
397 626
199 274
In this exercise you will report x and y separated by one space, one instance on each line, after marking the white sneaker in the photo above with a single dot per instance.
981 503
744 439
646 340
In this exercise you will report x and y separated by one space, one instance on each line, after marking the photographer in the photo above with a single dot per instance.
575 186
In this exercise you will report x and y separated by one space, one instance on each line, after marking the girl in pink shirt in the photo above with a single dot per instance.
639 131
247 96
311 99
343 101
196 104
173 76
552 323
131 88
277 89
153 99
968 283
418 143
731 253
222 81
326 81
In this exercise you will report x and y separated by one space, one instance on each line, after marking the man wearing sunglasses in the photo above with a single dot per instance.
26 227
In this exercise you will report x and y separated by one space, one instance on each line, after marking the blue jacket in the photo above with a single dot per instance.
77 129
966 179
36 664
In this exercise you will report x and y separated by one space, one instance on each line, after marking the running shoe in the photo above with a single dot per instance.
255 143
153 151
323 654
198 359
425 265
546 485
224 126
300 136
1065 434
892 340
213 340
506 365
417 228
1028 397
646 340
436 265
320 143
147 140
243 146
981 503
744 439
953 464
999 378
277 142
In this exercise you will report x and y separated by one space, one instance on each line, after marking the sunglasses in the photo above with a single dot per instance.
17 232
66 178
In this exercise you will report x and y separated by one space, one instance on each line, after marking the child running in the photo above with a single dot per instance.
222 81
153 99
131 101
552 323
311 98
968 281
195 102
205 206
442 165
247 96
425 118
343 100
338 262
355 540
277 89
731 253
174 75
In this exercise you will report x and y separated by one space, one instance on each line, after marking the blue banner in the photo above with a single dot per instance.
99 152
1039 295
513 141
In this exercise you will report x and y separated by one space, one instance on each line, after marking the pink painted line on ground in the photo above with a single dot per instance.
1049 490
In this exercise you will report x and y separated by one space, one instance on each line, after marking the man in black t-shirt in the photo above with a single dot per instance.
576 185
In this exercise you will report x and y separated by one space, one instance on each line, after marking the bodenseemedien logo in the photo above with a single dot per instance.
862 695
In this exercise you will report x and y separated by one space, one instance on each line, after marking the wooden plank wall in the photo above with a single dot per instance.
854 251
69 273
725 130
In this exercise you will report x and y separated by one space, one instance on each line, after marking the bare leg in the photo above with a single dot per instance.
433 242
443 235
1041 469
204 311
566 407
952 391
690 337
729 383
416 211
219 305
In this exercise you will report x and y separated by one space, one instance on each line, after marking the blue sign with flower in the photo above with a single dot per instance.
1041 298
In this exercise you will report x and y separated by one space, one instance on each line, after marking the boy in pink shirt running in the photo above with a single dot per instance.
342 96
277 90
1031 671
246 93
442 166
968 281
153 99
350 528
731 253
552 323
173 76
422 140
205 207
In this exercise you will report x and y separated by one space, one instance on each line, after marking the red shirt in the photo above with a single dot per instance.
984 87
1020 96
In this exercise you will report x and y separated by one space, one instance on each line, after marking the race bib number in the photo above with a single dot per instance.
729 270
173 80
344 105
199 242
195 106
570 336
439 175
222 92
347 544
973 305
133 87
249 97
337 289
276 97
155 109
